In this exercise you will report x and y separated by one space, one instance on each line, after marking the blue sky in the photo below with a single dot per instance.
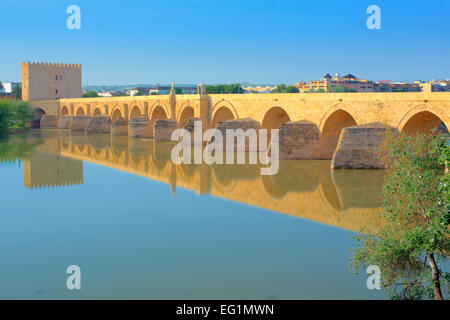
215 41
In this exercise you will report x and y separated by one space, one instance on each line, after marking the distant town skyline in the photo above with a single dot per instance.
211 42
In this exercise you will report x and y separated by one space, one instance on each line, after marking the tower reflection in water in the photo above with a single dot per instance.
348 199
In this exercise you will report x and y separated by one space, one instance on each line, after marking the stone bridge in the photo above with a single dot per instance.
311 124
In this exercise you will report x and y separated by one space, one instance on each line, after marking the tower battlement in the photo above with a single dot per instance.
54 65
50 81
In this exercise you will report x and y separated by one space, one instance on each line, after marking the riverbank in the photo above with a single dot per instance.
14 115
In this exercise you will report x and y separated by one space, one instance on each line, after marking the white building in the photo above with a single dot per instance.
104 94
8 87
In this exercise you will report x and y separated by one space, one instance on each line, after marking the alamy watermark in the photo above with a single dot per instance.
237 142
374 20
74 280
74 20
374 280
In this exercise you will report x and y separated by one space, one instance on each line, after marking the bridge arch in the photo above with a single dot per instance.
184 115
423 118
38 113
158 109
223 111
117 114
64 110
274 117
80 111
136 111
96 111
336 107
158 113
331 130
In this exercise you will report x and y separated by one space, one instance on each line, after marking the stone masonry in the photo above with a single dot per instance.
298 140
243 124
79 123
99 124
49 122
164 128
358 148
190 125
140 128
64 122
119 128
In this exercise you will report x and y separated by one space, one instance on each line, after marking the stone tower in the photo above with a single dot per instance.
50 81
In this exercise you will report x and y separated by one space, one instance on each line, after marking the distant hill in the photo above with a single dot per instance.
131 86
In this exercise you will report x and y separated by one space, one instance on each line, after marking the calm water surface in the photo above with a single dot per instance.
140 227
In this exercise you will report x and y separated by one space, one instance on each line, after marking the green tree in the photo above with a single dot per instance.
21 112
282 88
342 89
224 88
316 91
415 236
17 93
5 116
178 91
90 94
139 93
14 115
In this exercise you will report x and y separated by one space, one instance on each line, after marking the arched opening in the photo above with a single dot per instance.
64 111
222 114
422 123
80 111
187 113
332 130
135 112
97 112
274 118
158 113
116 115
36 122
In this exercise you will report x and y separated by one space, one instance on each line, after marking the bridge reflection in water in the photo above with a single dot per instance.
348 199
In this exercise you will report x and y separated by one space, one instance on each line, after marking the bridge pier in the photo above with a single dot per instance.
140 128
99 124
119 128
79 123
163 129
49 122
250 145
191 125
298 140
64 122
358 147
